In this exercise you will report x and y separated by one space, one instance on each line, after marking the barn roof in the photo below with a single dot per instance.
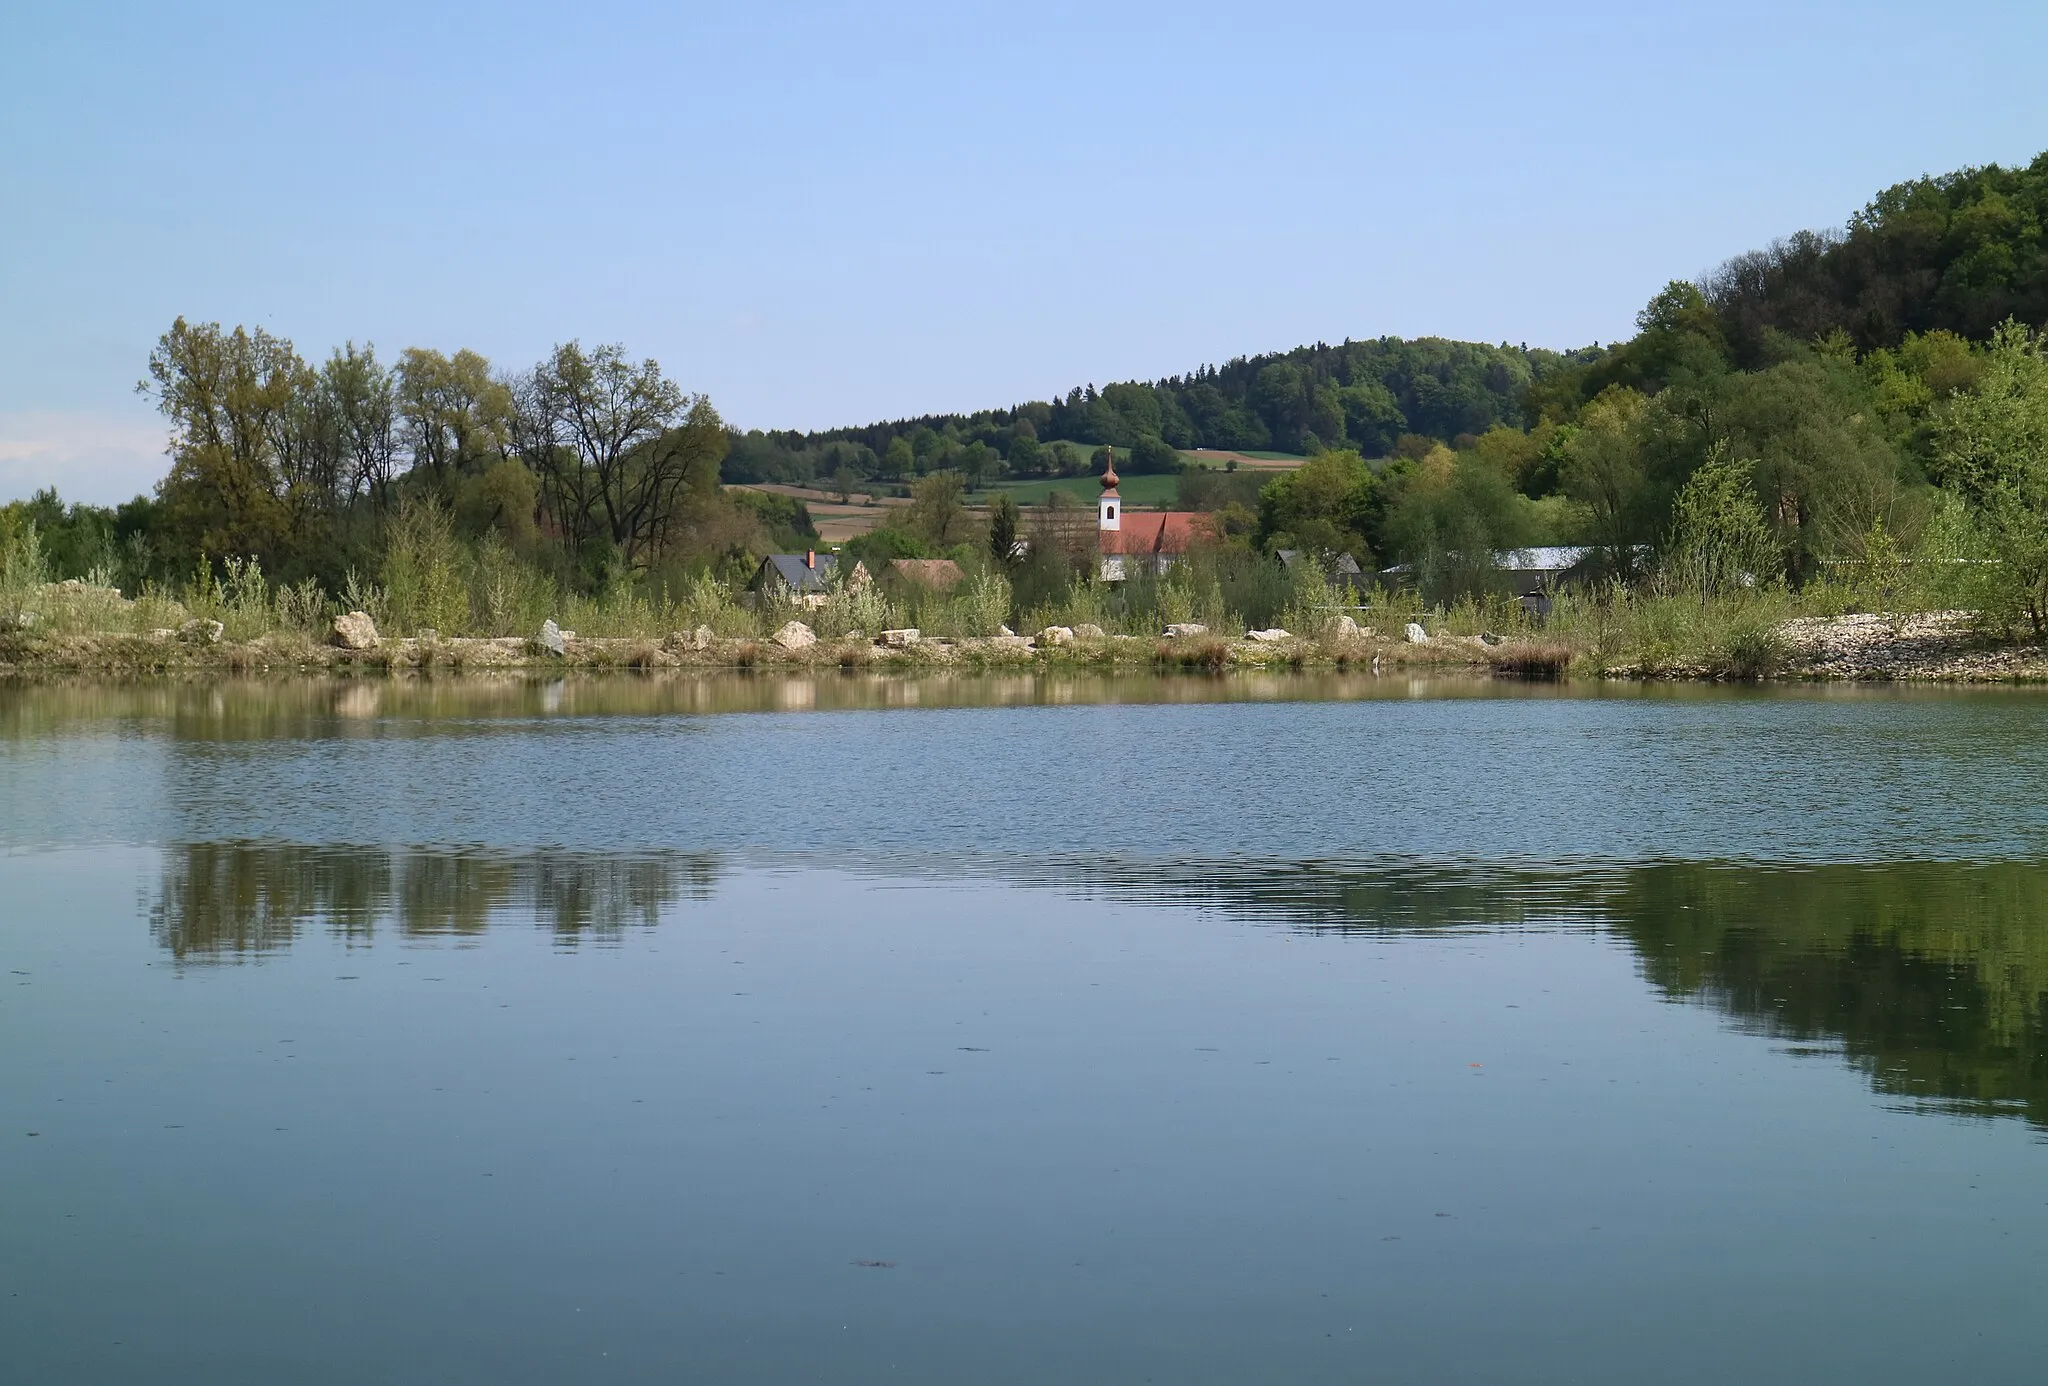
939 573
1551 558
1547 559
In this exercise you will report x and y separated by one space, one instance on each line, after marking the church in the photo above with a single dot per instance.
1142 541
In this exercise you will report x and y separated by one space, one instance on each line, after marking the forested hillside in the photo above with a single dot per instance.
1362 395
1959 253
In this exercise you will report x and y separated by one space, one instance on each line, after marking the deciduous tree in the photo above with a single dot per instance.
1994 450
619 449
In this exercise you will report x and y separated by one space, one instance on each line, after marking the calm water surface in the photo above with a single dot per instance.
1021 1030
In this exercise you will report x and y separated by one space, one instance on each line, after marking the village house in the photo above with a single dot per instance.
801 579
1145 541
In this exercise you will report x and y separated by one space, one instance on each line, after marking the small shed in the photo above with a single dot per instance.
1342 571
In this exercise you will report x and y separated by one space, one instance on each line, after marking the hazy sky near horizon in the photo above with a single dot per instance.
826 214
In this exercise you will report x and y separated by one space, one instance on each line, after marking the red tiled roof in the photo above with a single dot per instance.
1156 532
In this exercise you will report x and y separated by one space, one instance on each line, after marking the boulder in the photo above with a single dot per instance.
1185 630
355 631
1089 632
1004 630
1267 637
1056 635
698 639
1415 635
901 639
1344 628
551 640
201 632
795 635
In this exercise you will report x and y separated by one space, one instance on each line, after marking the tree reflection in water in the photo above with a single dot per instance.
1931 978
228 900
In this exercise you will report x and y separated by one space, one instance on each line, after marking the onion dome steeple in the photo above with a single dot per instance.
1109 510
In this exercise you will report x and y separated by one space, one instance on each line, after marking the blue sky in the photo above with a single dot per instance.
830 213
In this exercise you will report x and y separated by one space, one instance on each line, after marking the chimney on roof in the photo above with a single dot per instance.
811 558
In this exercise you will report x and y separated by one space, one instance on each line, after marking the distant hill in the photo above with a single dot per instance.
1364 394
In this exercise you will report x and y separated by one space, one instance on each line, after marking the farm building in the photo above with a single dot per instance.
1530 574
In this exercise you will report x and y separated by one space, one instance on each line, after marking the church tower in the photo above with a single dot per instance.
1109 513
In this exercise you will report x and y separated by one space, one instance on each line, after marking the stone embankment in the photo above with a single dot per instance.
1940 646
353 644
1936 647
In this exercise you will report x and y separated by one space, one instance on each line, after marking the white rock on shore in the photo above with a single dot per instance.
795 635
355 631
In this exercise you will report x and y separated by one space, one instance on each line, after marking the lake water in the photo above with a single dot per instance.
1021 1030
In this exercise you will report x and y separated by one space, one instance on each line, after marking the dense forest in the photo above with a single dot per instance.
1868 398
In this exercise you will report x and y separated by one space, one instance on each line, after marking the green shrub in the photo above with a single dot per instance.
1751 651
424 577
507 596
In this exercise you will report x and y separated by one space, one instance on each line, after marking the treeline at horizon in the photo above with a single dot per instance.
1867 398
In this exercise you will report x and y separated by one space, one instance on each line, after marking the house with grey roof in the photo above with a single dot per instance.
802 578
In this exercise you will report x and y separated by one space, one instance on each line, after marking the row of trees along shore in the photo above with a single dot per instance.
1856 417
